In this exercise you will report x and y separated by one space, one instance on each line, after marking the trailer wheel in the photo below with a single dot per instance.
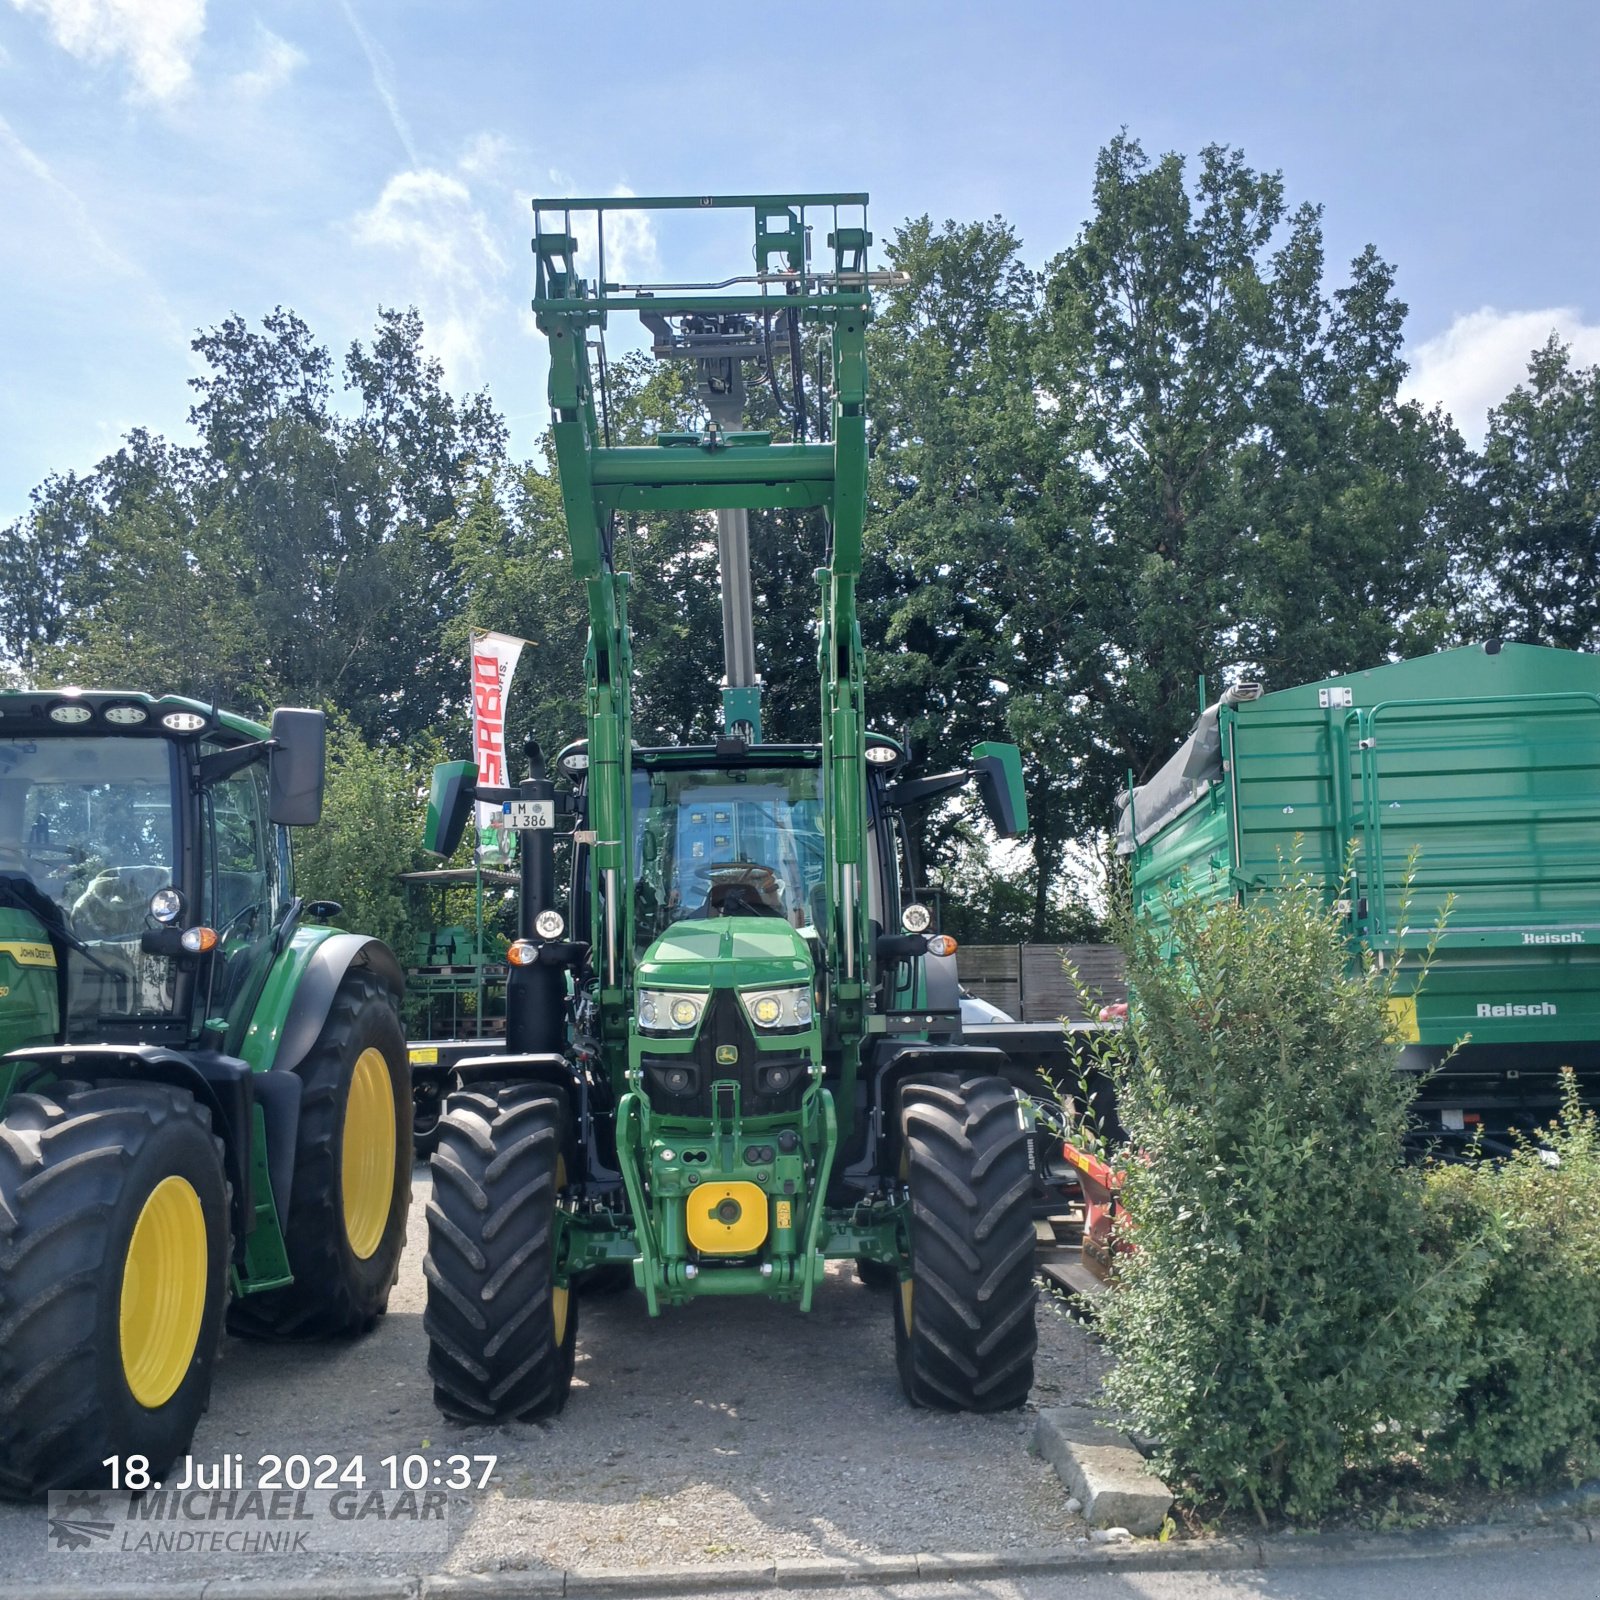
352 1176
963 1320
502 1333
113 1277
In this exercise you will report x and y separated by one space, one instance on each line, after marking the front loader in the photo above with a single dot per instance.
205 1108
734 1047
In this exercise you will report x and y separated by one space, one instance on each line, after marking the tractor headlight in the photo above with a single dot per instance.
916 918
670 1011
549 925
778 1008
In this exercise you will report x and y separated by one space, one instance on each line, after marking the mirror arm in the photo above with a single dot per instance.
222 764
916 791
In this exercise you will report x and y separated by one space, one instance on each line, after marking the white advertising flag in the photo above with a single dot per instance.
494 663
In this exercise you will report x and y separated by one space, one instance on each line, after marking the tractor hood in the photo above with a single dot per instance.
726 953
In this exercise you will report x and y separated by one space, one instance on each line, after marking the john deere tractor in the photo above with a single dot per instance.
734 1047
205 1110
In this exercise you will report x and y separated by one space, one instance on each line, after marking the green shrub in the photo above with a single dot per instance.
1279 1320
1529 1407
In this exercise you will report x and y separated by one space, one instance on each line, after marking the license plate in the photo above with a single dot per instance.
531 813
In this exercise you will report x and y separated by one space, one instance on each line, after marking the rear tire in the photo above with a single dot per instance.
963 1321
502 1335
352 1176
113 1277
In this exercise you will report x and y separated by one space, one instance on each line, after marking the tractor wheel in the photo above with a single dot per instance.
352 1176
963 1320
502 1333
113 1277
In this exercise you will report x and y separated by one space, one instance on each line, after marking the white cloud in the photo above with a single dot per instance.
276 62
631 252
432 220
1481 357
157 37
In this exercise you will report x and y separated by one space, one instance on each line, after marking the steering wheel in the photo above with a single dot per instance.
746 887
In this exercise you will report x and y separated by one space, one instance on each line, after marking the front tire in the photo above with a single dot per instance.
352 1176
963 1321
502 1333
113 1277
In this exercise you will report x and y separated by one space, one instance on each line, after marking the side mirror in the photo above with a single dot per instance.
999 772
296 767
450 796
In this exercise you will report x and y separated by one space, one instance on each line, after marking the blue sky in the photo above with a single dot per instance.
166 162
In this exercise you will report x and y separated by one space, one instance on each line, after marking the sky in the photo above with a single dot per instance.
165 163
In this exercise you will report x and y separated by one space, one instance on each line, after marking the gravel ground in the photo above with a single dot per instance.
723 1430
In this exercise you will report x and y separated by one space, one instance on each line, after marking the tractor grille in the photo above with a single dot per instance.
769 1081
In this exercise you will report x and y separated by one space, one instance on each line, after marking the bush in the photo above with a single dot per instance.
1279 1320
1529 1406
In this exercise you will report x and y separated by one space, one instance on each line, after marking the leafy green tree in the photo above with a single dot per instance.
40 554
373 812
984 575
1271 508
1540 488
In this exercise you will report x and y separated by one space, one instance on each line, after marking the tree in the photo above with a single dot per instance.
982 564
370 832
1540 487
1273 511
40 555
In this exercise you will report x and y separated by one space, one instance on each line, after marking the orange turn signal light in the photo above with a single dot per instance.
941 944
197 940
522 953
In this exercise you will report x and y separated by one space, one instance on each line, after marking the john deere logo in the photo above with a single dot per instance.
727 1055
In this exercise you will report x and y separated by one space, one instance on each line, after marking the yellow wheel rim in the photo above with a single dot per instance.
368 1166
559 1296
163 1292
905 1303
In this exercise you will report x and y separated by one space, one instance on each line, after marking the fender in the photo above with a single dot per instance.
299 993
222 1084
910 1059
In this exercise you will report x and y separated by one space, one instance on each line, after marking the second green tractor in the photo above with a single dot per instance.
734 1049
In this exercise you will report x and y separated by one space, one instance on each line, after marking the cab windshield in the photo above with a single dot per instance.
728 842
89 822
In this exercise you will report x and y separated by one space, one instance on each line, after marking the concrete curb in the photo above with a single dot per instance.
640 1583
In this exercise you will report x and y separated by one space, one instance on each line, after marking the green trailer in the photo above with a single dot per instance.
1475 773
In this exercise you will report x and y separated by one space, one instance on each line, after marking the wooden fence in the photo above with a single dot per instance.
1030 981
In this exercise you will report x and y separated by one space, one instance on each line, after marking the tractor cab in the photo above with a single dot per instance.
137 836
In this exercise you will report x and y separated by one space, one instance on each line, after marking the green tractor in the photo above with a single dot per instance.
734 1048
205 1108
